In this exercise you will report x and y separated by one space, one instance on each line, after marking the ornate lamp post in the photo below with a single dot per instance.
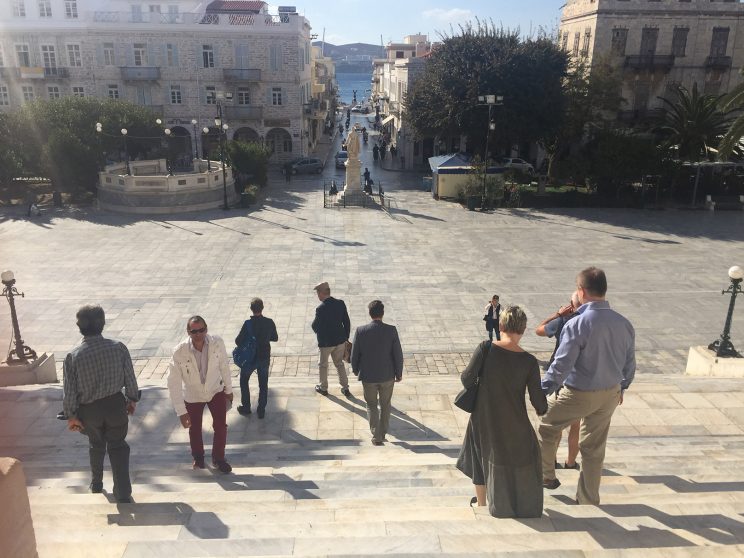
222 127
168 162
723 345
126 151
21 352
205 131
196 139
490 101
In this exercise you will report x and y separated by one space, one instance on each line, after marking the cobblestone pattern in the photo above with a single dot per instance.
418 364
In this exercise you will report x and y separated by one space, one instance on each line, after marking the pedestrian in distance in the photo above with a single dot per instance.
260 331
332 327
393 151
491 318
288 171
95 373
377 360
552 327
500 452
198 377
375 152
593 366
382 151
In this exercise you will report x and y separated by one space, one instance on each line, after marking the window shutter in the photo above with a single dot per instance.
175 54
99 54
152 55
216 56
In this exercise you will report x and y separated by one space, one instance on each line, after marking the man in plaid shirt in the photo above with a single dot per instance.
94 374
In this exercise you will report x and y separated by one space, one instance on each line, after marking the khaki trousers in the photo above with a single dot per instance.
337 356
378 420
595 408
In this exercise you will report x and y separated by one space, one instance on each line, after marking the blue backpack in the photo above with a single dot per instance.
245 355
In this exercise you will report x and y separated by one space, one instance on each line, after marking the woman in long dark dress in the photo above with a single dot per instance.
500 451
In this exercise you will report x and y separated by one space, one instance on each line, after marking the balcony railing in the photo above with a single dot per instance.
140 73
718 62
650 61
56 72
241 74
242 112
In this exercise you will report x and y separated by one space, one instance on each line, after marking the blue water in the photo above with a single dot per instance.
348 82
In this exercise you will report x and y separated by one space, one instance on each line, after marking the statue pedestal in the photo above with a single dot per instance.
353 177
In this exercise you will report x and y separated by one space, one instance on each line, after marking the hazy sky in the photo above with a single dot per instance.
363 21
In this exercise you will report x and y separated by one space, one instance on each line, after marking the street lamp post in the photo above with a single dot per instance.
126 151
222 127
168 162
205 131
196 139
21 352
723 346
490 101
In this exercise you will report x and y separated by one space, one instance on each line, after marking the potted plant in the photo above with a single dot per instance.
248 196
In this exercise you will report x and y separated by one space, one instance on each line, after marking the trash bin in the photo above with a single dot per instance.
426 183
57 198
246 199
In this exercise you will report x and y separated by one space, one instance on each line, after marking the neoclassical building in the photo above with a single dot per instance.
391 78
658 44
180 58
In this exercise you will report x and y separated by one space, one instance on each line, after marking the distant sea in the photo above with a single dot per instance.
347 83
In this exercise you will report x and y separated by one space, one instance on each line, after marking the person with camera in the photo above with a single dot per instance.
491 318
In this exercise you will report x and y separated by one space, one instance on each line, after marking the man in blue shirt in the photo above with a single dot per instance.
595 364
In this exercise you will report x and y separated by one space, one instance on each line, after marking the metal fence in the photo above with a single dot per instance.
334 197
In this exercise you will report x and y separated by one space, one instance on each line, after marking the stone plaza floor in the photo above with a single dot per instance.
434 265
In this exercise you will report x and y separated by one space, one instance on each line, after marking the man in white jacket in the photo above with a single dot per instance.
199 375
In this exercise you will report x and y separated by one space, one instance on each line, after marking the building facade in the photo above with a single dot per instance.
181 59
391 78
659 44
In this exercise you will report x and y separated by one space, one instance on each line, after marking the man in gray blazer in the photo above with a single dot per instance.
377 359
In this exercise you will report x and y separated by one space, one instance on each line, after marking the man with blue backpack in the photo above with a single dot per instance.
253 352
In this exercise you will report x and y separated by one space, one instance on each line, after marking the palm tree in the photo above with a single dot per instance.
734 101
692 125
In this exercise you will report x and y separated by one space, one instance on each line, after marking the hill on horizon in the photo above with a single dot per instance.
352 50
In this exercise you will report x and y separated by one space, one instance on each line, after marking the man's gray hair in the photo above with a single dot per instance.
90 319
513 320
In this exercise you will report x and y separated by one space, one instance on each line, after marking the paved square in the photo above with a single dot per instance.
432 263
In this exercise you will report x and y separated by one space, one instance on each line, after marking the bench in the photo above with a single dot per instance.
724 202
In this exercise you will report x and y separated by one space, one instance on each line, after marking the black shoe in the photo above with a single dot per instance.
575 466
474 501
346 392
245 411
96 487
320 390
198 462
551 484
222 466
376 442
261 413
558 465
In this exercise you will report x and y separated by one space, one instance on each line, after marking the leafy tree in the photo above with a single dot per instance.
11 160
59 140
592 99
250 158
443 100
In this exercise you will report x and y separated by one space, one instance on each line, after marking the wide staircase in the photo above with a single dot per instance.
308 482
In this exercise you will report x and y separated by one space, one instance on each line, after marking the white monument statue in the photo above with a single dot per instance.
353 164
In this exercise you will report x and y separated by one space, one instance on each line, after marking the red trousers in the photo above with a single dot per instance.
218 408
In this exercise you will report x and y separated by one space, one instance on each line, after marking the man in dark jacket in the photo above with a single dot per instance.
332 327
377 359
264 330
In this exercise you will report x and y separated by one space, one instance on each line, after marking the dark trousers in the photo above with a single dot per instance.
262 367
218 408
105 422
491 333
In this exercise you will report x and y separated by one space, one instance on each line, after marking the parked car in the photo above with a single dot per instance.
308 165
360 108
341 158
517 164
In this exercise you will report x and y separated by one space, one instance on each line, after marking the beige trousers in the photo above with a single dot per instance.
378 419
595 408
337 356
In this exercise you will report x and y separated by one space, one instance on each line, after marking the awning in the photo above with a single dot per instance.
388 120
